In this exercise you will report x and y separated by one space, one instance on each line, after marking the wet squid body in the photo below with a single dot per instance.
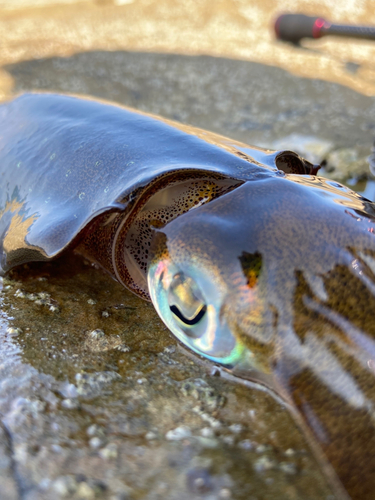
250 259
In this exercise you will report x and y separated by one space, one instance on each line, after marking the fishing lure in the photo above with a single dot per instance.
250 259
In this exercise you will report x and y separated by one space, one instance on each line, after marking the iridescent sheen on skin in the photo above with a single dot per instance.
250 259
286 267
217 343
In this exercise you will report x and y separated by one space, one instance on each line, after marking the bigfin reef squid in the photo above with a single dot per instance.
250 259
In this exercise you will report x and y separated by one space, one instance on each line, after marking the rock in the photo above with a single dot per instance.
348 163
178 434
314 149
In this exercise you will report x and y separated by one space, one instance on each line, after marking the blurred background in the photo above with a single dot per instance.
213 64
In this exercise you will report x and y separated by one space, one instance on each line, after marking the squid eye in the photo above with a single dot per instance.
189 322
190 307
186 303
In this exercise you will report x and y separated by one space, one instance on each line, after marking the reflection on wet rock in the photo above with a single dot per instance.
110 441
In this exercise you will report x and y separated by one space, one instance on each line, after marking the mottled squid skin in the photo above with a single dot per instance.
270 274
307 317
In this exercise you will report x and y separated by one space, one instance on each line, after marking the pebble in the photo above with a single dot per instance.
236 428
95 442
246 444
178 434
68 390
97 334
199 481
207 432
151 435
91 384
209 443
92 302
225 494
40 299
110 451
170 349
122 348
261 448
65 485
14 331
56 448
84 491
94 429
228 440
70 404
264 464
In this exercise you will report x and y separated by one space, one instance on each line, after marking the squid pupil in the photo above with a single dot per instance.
190 322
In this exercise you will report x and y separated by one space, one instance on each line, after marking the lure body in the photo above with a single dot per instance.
259 268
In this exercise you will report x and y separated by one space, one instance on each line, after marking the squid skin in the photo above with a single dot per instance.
306 319
250 259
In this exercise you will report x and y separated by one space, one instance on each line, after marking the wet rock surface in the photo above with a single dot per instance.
106 406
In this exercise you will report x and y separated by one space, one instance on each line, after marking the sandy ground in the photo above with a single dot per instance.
237 29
